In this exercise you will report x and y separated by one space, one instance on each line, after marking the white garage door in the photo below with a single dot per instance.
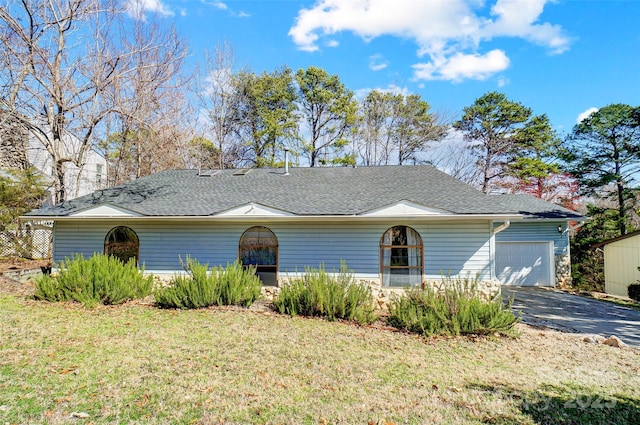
524 263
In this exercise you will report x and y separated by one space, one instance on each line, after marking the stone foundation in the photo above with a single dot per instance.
486 289
563 271
383 295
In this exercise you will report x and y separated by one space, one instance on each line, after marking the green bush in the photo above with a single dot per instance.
101 279
204 286
455 310
634 291
318 293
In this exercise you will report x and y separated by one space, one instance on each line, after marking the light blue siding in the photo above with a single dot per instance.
450 248
538 231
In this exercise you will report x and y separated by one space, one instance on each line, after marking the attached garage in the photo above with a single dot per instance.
525 263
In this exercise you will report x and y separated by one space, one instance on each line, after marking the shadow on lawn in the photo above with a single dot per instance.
564 405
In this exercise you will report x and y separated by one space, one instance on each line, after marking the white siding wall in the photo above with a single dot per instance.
541 231
78 182
450 248
621 261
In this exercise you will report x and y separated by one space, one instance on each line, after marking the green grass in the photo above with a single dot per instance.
138 364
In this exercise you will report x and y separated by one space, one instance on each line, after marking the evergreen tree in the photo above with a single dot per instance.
494 125
263 114
603 152
330 112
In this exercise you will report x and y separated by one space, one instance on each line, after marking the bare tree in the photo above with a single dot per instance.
215 92
395 127
58 64
454 157
147 129
76 71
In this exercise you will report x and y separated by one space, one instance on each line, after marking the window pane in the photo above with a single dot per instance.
401 257
122 242
403 277
124 252
259 248
254 256
267 275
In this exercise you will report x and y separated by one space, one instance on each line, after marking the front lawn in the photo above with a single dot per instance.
138 364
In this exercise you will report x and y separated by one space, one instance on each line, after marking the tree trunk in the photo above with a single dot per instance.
621 210
61 191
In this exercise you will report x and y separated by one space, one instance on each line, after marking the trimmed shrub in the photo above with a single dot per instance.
101 279
318 293
455 310
204 286
634 291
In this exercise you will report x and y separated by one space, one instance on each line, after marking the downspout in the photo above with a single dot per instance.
494 232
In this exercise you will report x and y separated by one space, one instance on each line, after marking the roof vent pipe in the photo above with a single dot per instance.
286 161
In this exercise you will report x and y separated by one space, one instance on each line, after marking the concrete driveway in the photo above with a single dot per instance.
572 313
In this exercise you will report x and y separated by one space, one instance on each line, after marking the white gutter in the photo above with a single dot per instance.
433 217
502 227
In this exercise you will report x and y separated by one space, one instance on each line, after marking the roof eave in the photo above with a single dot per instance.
429 217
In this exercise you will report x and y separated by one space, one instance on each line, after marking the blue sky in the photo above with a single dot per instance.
559 57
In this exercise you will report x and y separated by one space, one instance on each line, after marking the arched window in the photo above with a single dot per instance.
401 255
259 248
122 242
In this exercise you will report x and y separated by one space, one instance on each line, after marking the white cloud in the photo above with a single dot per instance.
220 5
517 18
217 4
332 43
377 62
137 9
448 32
502 81
584 115
218 80
360 94
462 66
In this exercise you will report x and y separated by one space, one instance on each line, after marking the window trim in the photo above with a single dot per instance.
107 245
275 245
390 267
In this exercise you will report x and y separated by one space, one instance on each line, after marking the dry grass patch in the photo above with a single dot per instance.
137 364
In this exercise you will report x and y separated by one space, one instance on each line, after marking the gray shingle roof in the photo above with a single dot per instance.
532 207
305 191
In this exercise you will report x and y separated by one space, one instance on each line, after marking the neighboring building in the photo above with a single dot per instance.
78 182
393 225
19 151
621 262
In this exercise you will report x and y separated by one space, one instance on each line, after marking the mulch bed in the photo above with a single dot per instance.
16 287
